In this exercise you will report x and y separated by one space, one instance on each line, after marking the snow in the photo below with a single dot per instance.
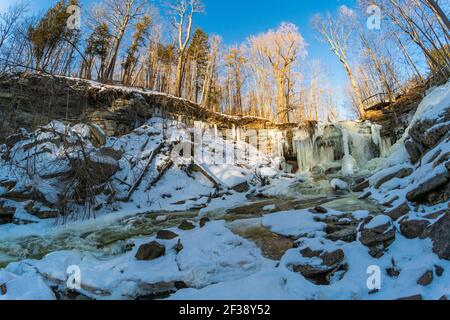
378 222
360 214
293 223
338 184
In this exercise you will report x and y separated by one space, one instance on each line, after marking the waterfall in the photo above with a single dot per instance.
216 131
348 162
350 145
303 146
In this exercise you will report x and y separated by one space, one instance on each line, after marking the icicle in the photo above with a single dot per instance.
216 131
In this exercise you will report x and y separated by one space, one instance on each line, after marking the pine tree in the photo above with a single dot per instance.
138 41
198 55
51 37
97 48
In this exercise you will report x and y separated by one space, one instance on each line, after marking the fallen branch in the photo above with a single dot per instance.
144 172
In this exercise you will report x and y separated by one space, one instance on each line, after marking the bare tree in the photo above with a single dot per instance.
118 15
183 16
337 32
282 48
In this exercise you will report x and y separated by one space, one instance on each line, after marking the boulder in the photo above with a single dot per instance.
377 234
414 149
412 229
421 191
242 187
166 235
321 274
6 213
186 225
439 233
319 209
399 211
426 279
402 173
439 270
98 136
150 251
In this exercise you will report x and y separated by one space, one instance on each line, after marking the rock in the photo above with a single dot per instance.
439 270
338 184
332 262
242 187
398 211
435 215
150 251
377 234
186 225
110 152
392 272
417 297
179 246
414 149
166 235
3 289
204 221
439 232
6 213
47 214
346 235
443 298
402 173
98 135
420 192
426 279
412 229
361 186
319 209
40 213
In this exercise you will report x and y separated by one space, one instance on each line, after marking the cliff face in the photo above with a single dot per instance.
395 117
29 101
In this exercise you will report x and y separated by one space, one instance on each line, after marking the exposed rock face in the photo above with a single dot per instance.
439 232
414 149
332 262
424 189
377 237
412 229
150 251
399 211
24 101
402 173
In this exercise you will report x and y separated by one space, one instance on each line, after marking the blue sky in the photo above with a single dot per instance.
235 20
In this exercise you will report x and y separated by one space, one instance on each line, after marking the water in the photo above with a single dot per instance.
102 242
